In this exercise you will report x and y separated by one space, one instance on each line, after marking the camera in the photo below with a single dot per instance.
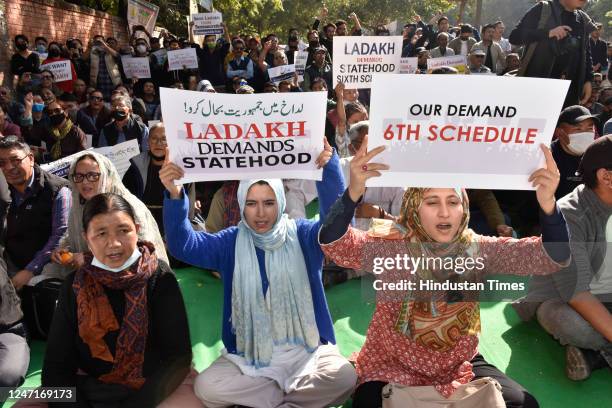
567 46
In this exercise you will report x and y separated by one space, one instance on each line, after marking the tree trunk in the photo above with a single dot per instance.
461 11
477 21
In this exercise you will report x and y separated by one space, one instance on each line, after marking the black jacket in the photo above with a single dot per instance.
547 51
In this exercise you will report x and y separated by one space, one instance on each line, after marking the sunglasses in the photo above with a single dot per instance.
95 98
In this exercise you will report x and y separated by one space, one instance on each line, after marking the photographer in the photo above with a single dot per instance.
556 36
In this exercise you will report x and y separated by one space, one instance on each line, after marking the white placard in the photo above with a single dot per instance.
456 61
299 60
142 13
235 137
120 154
207 23
182 59
136 67
476 139
357 58
408 65
61 70
207 4
281 73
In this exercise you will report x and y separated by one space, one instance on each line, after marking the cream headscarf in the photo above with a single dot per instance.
109 183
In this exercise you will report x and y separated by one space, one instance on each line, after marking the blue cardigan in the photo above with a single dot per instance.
217 251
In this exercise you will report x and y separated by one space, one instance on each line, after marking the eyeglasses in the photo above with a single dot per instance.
158 141
14 161
94 98
91 177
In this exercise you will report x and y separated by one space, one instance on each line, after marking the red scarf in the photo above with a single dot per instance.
96 317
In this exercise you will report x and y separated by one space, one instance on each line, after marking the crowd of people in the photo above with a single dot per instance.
120 334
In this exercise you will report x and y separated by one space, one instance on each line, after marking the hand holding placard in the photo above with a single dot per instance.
545 181
362 169
168 174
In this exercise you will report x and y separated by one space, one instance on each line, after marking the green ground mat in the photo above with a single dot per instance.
522 350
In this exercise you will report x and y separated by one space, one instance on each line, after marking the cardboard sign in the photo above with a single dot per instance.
299 60
142 13
207 23
182 59
476 139
281 73
356 59
136 67
456 61
236 137
408 65
61 70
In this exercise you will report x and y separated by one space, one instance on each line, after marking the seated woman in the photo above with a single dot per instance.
277 330
432 341
120 332
91 174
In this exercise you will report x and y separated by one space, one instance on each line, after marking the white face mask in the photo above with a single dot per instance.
580 141
130 261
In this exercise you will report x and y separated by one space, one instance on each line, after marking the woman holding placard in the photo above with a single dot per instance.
422 343
277 331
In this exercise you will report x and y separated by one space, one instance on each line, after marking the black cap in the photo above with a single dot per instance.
575 114
597 156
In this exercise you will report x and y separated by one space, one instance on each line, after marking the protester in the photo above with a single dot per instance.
564 52
348 115
93 117
495 59
575 131
240 65
476 62
23 60
120 335
464 43
406 342
320 68
54 55
263 354
576 307
38 214
124 126
104 72
599 50
90 174
498 37
8 128
442 49
63 137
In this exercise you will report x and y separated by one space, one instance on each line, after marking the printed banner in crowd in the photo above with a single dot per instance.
182 59
299 59
408 65
456 61
60 69
236 137
357 58
119 154
476 139
207 23
142 13
281 73
136 67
